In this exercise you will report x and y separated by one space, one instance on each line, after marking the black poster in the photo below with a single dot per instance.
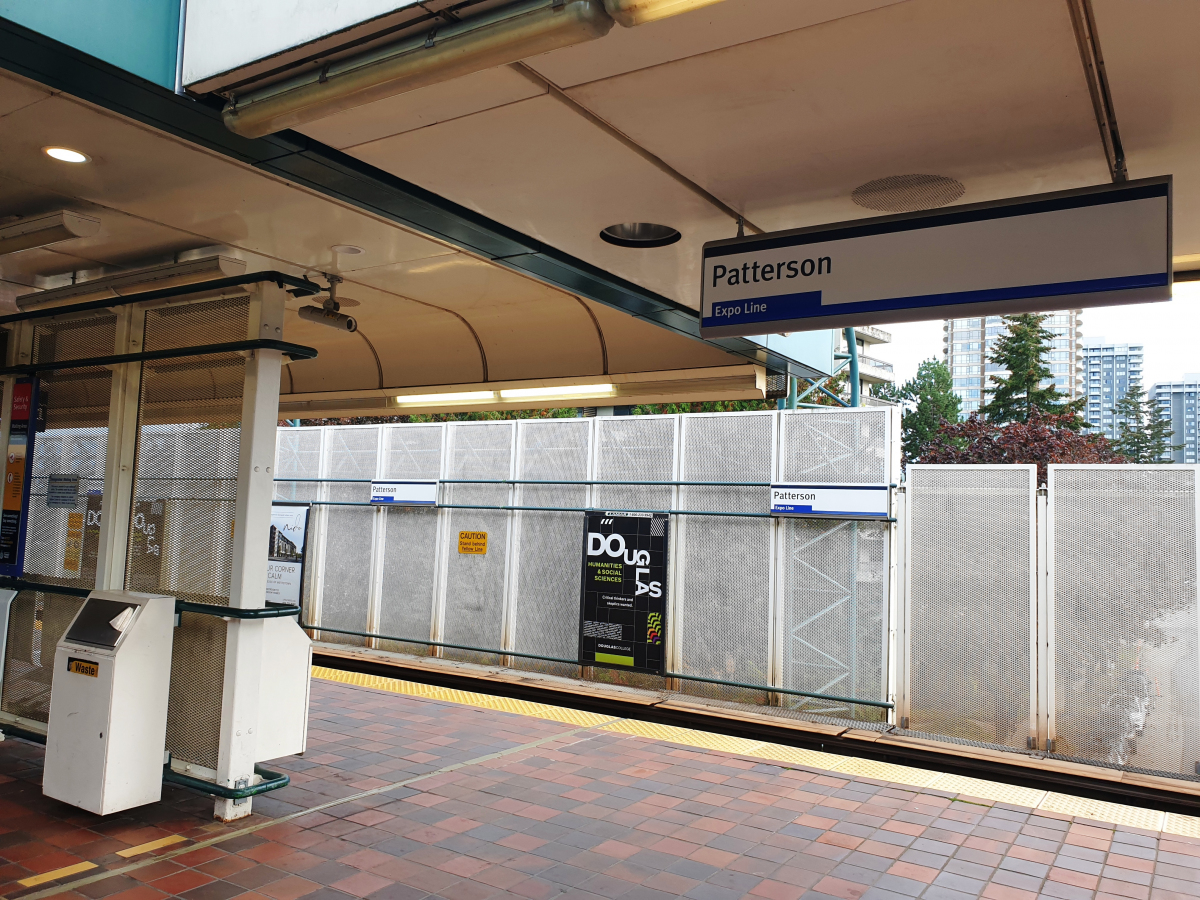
623 613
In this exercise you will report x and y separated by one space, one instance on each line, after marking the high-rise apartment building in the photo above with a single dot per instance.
1177 401
1109 371
969 342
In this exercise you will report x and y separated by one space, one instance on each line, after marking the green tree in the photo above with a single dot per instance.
1017 397
928 400
1144 434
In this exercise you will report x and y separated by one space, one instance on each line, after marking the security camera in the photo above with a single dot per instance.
323 315
327 313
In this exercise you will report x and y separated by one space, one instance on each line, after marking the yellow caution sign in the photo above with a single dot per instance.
472 542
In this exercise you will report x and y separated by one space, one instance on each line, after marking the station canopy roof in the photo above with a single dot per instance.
788 114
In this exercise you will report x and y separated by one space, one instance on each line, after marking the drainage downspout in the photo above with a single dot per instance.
852 350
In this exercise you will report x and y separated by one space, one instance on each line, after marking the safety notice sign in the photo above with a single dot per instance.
623 608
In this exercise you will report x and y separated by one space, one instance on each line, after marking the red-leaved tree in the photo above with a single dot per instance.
1044 439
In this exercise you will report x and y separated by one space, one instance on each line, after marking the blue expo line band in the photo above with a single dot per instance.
807 305
812 695
1102 195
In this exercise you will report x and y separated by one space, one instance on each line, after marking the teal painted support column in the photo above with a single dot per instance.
791 397
852 349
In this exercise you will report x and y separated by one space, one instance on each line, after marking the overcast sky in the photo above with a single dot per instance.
1170 332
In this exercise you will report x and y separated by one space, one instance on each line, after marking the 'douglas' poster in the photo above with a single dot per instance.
623 610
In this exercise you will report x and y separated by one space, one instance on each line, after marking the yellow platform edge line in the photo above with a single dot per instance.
465 698
151 845
998 792
65 871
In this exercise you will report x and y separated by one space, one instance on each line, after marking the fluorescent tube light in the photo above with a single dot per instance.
566 390
460 397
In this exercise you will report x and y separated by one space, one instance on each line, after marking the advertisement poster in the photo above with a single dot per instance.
20 454
286 551
623 609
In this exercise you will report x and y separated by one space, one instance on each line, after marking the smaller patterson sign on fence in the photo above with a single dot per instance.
831 501
623 603
1094 246
404 493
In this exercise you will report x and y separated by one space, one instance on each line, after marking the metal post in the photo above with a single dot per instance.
791 397
248 582
852 349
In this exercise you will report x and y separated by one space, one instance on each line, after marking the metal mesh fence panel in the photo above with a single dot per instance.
1124 598
835 447
550 544
298 455
475 582
637 448
410 538
36 622
833 614
61 544
185 491
723 574
970 592
349 532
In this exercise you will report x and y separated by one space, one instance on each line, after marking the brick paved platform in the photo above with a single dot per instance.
405 797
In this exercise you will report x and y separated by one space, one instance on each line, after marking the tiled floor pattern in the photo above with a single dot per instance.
537 807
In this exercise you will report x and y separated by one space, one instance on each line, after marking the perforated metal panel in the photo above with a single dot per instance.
36 622
550 544
835 447
349 531
475 583
185 491
634 448
723 582
61 544
1124 598
833 611
971 587
410 540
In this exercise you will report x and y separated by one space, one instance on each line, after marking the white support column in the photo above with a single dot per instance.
255 488
122 451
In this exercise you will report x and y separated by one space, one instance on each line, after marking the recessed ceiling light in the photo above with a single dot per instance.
642 235
65 154
347 249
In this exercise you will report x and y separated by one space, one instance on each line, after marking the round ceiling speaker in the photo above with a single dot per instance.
907 193
640 234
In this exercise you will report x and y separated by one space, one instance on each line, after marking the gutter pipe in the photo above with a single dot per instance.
500 37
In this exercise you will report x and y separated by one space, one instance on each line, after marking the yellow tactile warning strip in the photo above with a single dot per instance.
466 698
64 872
151 845
997 792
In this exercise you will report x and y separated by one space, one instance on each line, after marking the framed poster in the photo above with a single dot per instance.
14 508
623 603
286 552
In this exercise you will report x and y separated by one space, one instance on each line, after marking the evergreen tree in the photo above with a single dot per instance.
928 402
1019 396
1144 434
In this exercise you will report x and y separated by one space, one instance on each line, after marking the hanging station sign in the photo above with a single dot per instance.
831 501
14 506
1095 246
623 604
286 552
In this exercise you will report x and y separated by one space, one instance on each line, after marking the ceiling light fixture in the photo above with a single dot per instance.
459 397
67 155
640 235
566 390
40 231
346 249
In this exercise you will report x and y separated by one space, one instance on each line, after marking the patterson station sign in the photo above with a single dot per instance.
1096 246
